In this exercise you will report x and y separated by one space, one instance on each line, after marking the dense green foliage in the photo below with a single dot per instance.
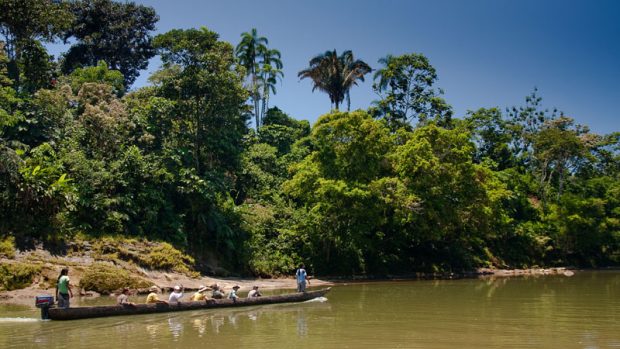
401 187
118 33
17 275
106 279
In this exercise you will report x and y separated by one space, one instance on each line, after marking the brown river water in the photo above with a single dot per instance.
582 311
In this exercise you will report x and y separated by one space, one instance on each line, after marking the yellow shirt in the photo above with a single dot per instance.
152 298
198 297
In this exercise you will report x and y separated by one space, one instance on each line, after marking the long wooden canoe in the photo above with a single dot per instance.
116 310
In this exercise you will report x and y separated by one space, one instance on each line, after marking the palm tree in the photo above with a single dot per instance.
248 51
335 75
381 74
270 73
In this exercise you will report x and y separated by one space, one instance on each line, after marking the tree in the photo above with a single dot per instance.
263 67
558 148
23 23
335 183
248 51
209 97
98 74
207 123
117 33
335 75
492 137
405 85
270 73
524 122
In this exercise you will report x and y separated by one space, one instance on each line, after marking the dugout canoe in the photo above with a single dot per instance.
117 310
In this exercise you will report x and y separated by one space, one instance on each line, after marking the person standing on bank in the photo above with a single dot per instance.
302 278
63 289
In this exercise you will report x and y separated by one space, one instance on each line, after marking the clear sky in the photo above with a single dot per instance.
487 52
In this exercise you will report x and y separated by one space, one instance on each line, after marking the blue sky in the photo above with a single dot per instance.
487 52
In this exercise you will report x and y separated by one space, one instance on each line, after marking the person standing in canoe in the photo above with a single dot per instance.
302 278
63 289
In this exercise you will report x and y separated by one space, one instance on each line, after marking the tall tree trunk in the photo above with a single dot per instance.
255 99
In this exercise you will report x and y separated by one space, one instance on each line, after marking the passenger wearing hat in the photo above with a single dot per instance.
199 295
233 293
152 297
176 295
254 292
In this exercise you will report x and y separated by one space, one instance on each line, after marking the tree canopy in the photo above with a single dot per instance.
335 74
398 188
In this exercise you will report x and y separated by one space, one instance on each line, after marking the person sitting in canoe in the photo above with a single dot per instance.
200 294
254 292
233 293
176 295
218 292
123 298
152 297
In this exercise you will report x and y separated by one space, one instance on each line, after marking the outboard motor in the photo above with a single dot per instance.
44 302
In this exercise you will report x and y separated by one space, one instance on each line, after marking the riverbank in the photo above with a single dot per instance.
102 267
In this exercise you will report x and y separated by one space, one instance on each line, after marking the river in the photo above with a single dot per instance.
582 311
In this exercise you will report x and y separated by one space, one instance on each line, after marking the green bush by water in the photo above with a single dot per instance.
17 275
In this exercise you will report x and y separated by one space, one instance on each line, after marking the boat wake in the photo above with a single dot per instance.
17 319
317 300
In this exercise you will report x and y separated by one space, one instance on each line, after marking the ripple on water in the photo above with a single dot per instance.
18 320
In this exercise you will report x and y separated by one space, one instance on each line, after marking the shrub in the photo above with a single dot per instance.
165 257
17 275
7 247
151 255
105 279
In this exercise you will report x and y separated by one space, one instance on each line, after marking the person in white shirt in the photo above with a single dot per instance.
176 295
254 292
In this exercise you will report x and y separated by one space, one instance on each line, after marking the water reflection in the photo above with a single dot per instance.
302 326
153 330
547 312
200 325
175 326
